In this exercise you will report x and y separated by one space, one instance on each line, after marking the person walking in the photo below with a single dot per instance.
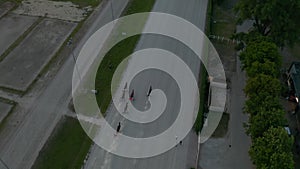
131 98
119 127
149 91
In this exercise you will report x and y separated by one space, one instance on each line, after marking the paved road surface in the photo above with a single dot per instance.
181 157
21 148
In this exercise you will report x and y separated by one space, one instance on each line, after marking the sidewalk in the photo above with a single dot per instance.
231 151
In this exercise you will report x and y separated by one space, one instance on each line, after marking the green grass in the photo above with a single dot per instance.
136 6
203 89
66 148
107 68
222 127
115 56
223 22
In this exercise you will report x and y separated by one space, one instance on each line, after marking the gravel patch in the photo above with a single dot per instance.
52 9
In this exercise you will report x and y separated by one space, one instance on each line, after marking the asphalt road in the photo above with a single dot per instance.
182 156
22 147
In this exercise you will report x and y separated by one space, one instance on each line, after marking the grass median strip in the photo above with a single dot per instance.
107 68
69 144
66 148
222 128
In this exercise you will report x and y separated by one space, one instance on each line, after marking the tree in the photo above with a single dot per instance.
246 38
267 68
260 52
273 150
275 18
262 86
256 103
282 160
264 120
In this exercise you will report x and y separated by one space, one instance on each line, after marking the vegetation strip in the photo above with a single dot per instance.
66 148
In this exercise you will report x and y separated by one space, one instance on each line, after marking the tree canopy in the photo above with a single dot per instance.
262 86
277 19
260 52
273 150
256 103
264 120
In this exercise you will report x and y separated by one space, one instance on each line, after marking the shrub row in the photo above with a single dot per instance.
271 145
